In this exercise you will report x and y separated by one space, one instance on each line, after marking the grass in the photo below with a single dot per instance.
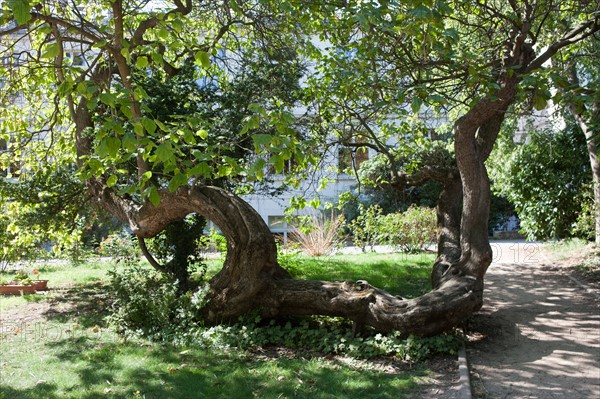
583 256
72 353
397 273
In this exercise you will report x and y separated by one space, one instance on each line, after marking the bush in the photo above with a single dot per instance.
122 248
147 304
412 230
366 227
585 225
543 177
319 235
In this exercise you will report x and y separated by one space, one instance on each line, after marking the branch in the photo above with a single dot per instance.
577 34
66 24
153 262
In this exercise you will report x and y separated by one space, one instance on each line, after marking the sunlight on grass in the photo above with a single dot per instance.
60 360
400 274
72 353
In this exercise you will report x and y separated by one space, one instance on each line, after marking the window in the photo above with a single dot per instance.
277 223
350 158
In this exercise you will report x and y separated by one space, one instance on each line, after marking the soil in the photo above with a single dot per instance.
538 333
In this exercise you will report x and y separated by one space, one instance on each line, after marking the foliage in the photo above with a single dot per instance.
328 336
214 242
148 304
365 229
43 212
584 226
178 248
543 178
412 230
319 234
122 248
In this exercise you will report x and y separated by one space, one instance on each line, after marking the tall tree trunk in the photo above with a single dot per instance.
449 210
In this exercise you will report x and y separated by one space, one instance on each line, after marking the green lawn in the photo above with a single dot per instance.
71 353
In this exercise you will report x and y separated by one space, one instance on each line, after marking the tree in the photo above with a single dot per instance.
174 161
578 83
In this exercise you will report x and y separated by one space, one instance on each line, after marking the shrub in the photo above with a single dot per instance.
122 248
585 225
147 304
366 227
319 235
412 230
325 335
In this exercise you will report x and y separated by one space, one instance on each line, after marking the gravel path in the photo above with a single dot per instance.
538 333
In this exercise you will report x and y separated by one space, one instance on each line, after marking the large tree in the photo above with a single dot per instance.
151 172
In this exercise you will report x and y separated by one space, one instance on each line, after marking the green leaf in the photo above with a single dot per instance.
202 169
202 133
138 128
202 59
126 111
539 102
262 139
129 142
421 12
177 181
125 53
51 50
149 125
141 62
111 181
154 196
20 9
163 33
415 105
164 152
278 162
113 145
146 176
257 169
107 98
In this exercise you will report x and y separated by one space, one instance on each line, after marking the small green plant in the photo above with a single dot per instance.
22 278
122 248
366 227
324 335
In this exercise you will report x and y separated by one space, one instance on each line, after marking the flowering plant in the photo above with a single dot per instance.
36 273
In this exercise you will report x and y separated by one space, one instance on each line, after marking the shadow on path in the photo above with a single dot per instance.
537 335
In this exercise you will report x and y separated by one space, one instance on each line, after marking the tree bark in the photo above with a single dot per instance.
449 210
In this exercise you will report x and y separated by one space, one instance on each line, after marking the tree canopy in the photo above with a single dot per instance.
84 92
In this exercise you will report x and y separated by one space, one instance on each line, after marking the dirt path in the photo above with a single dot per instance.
538 333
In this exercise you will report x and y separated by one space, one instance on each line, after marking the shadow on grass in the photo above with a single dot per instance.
87 304
117 370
